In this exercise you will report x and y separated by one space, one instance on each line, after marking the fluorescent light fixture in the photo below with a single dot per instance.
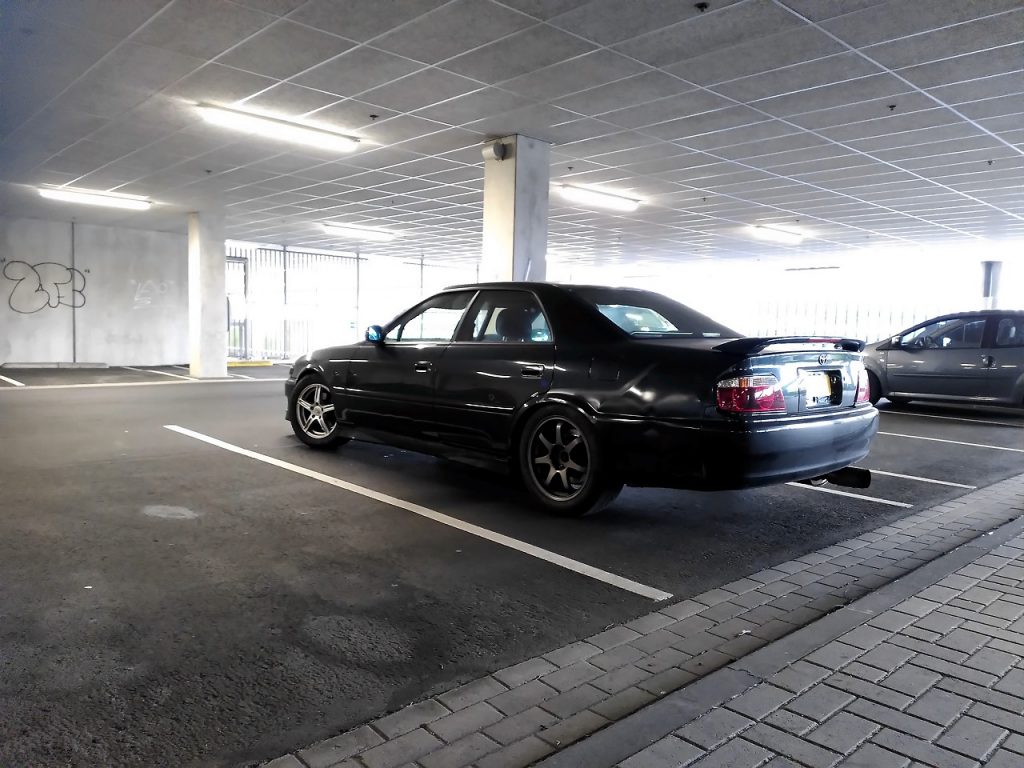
95 197
774 234
275 128
586 196
358 233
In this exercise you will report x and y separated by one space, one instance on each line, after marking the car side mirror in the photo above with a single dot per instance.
375 334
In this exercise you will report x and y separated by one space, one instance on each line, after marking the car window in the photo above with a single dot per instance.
953 333
636 319
436 320
644 313
507 316
1010 332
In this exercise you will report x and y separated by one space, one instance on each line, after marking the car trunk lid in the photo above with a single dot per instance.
813 374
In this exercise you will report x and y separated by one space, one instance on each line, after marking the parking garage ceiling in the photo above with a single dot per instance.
860 122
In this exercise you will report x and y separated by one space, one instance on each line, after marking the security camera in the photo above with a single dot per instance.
496 150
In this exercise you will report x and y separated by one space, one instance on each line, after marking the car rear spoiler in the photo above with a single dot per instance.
753 345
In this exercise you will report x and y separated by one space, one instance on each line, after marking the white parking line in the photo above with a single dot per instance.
31 387
862 497
474 530
922 479
953 442
954 418
11 381
162 373
240 376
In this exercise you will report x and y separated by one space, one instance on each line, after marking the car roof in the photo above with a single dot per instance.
533 284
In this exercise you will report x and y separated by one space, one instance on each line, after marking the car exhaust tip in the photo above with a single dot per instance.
851 477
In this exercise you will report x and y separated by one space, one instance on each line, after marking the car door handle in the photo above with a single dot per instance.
988 361
532 371
423 367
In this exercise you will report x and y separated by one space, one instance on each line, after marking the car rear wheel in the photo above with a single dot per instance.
313 417
562 463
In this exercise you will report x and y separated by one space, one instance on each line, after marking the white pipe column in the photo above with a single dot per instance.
207 296
990 284
517 174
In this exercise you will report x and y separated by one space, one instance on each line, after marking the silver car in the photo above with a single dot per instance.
972 356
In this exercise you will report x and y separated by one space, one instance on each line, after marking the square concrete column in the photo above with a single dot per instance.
990 283
207 297
517 174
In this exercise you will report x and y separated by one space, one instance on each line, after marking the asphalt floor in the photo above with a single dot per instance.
164 600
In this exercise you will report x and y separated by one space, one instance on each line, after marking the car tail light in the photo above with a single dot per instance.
863 388
750 394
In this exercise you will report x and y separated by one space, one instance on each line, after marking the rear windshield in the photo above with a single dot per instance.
644 313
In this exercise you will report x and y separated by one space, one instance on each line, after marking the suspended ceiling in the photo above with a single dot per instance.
864 123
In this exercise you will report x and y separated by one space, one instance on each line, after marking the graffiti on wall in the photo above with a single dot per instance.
42 285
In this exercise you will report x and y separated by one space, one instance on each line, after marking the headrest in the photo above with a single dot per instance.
514 323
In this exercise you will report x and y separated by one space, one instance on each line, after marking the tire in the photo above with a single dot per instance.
562 463
874 388
312 414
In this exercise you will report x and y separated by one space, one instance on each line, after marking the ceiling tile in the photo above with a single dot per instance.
837 95
424 88
526 51
431 38
284 49
612 21
815 10
276 7
126 77
1008 59
288 101
361 20
356 71
908 17
201 28
991 32
622 94
799 77
673 108
350 115
220 85
544 9
705 122
700 35
473 106
764 54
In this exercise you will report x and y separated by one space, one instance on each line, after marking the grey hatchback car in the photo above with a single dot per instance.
973 357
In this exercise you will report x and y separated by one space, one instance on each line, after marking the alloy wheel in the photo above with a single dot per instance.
315 411
559 458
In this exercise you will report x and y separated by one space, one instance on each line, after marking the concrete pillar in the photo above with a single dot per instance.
990 283
517 174
207 297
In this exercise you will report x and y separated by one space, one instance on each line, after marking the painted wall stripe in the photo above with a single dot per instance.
474 530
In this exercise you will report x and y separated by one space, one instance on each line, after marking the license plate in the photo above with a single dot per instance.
817 388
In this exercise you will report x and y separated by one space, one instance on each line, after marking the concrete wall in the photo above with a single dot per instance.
91 294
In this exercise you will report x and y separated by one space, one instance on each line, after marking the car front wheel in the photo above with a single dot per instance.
313 417
562 463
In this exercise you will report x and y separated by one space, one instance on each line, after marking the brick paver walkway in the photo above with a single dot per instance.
938 680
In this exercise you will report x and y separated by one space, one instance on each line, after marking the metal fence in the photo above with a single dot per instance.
283 303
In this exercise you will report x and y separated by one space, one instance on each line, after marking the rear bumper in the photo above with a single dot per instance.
734 454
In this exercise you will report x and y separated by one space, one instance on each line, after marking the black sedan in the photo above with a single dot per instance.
582 389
